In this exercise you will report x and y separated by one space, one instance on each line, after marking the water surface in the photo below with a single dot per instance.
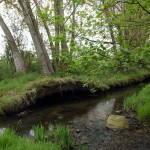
72 108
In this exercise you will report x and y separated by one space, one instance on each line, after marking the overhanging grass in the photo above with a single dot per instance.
140 102
22 90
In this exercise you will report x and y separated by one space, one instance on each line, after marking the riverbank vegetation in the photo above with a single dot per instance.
19 91
57 139
140 102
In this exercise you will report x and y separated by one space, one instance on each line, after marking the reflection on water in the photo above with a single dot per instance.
97 114
86 109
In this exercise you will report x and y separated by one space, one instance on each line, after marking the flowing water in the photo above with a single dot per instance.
87 113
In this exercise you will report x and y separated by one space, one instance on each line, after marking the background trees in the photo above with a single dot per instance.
88 36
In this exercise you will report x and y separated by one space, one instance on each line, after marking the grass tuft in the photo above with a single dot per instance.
140 102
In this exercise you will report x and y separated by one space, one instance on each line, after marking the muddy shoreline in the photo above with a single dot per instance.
137 137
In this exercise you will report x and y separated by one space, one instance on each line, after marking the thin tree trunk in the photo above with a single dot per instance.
57 26
18 60
64 46
47 67
46 28
72 42
112 37
110 26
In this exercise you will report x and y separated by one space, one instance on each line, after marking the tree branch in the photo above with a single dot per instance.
96 41
143 8
135 3
71 13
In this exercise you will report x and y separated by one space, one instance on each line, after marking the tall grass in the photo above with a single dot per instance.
10 141
63 137
6 70
140 102
60 135
39 133
57 139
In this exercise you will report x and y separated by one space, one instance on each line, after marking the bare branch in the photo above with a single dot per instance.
95 41
67 4
71 13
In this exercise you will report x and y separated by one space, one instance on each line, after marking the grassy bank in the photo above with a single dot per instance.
57 139
140 102
21 91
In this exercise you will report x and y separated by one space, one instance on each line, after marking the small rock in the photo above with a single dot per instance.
78 130
117 121
118 112
60 117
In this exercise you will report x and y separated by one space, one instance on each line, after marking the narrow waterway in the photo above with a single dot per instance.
86 114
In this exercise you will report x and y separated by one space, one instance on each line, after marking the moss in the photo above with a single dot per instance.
116 121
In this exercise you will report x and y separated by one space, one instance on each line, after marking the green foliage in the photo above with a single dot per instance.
42 140
140 102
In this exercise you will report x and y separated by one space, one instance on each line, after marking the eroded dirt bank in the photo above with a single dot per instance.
48 87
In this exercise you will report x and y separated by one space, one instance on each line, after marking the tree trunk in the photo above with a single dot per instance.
72 42
31 22
64 46
46 29
110 26
57 26
18 60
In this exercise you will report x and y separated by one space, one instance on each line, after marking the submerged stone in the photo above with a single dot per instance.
117 121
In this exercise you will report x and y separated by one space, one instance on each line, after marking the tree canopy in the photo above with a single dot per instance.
89 37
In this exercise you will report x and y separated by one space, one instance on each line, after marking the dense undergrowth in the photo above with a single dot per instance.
140 102
58 138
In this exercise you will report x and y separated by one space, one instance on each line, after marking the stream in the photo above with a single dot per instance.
86 116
